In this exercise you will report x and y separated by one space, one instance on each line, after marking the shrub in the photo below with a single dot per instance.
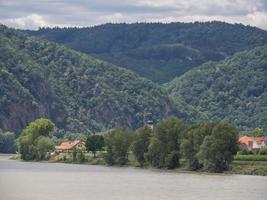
80 156
263 152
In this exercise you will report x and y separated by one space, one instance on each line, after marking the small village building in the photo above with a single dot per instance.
70 145
253 143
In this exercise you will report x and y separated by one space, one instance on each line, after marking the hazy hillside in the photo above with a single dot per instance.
234 89
158 51
79 93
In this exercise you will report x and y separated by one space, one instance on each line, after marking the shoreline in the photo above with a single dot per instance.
248 168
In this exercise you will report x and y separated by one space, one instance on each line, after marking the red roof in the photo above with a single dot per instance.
68 145
246 140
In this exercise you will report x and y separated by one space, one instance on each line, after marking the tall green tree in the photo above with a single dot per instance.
163 150
140 143
217 151
192 140
32 141
117 143
94 143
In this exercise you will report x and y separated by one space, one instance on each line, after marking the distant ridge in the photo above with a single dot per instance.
158 51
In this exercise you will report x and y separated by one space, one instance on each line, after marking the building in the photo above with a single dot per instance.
70 145
150 124
253 143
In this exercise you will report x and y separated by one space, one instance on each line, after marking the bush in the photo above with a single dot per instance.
263 152
244 152
80 156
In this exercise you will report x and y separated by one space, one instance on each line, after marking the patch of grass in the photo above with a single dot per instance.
251 157
250 168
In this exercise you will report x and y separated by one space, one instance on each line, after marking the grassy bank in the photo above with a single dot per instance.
249 167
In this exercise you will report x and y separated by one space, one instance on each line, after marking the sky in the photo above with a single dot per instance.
32 14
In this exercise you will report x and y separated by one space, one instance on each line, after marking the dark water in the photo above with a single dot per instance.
54 181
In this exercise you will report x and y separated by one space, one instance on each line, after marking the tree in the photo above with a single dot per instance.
30 146
117 142
43 146
164 147
192 140
140 143
217 151
94 143
257 132
7 142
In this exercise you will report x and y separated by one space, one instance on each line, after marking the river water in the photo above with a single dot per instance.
55 181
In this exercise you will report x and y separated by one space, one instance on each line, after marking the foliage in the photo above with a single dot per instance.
77 92
94 143
217 150
251 157
80 156
192 141
263 152
244 152
257 132
7 142
140 143
233 90
163 150
74 155
155 50
35 140
43 146
117 143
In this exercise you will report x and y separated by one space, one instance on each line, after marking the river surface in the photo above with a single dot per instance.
55 181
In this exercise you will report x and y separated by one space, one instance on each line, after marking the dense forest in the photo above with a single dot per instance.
219 74
234 89
157 51
79 93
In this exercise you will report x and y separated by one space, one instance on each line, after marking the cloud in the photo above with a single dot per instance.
32 21
31 13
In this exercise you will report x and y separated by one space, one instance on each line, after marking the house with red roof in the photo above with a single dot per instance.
70 145
253 143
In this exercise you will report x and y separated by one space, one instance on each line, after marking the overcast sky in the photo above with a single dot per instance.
31 14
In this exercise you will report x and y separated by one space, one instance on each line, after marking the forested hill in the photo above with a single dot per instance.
79 93
158 51
234 89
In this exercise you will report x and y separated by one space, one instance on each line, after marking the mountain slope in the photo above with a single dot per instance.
234 89
158 51
79 93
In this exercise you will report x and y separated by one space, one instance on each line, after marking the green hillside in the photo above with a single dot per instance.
234 89
157 51
79 93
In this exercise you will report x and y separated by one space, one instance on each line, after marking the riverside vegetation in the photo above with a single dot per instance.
219 73
209 146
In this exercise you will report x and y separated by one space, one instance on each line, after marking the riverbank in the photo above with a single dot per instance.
32 180
237 167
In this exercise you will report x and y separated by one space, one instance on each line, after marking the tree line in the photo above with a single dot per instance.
208 146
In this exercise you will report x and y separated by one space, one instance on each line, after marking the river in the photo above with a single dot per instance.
55 181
